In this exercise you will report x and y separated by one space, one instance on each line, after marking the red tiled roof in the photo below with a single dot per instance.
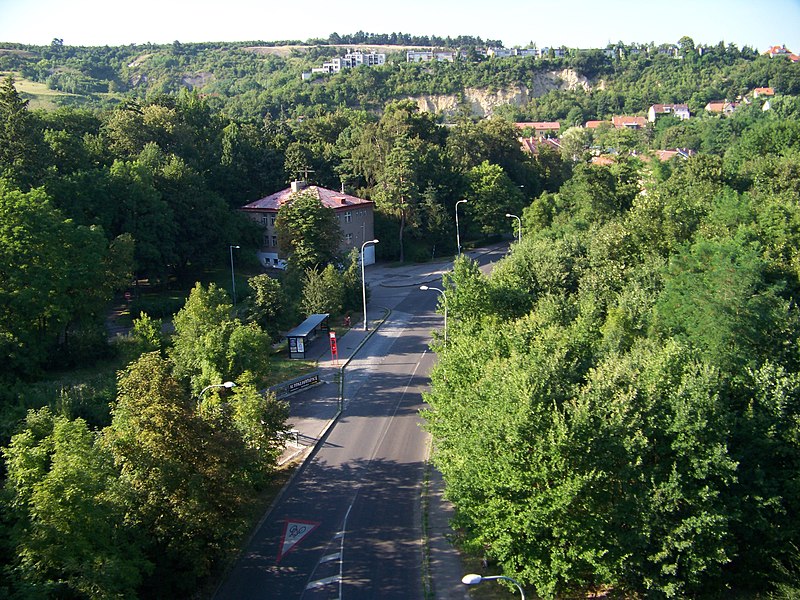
328 198
625 121
532 145
603 161
595 124
764 91
539 125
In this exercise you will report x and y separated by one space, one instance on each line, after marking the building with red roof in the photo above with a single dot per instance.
355 215
626 122
541 128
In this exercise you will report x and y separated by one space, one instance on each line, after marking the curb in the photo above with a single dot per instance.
311 449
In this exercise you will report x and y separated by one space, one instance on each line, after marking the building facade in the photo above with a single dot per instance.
355 216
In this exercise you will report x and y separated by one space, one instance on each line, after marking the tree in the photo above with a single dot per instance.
210 346
396 190
20 140
56 277
491 195
71 530
267 304
187 480
261 421
308 232
322 291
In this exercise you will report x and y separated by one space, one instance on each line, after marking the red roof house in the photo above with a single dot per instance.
355 219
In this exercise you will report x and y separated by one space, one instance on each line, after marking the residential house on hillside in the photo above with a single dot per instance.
596 124
782 51
541 128
533 145
350 60
763 91
355 215
679 110
414 56
721 107
626 122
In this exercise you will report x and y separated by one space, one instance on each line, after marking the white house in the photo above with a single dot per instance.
679 110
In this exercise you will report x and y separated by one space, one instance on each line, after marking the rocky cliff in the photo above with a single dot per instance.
482 103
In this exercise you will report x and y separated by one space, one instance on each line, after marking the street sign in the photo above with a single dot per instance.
334 350
293 531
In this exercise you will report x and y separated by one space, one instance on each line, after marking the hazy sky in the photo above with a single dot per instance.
573 23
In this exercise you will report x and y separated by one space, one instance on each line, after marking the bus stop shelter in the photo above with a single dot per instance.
305 333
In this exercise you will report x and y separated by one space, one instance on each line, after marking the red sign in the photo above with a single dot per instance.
334 351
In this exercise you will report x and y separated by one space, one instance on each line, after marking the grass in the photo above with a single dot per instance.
38 94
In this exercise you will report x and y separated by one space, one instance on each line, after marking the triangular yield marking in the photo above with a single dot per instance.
294 530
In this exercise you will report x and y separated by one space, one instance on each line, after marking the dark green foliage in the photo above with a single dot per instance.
617 405
308 232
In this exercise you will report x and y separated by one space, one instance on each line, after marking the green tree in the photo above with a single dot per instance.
187 479
71 531
267 304
491 195
396 191
308 232
322 291
20 141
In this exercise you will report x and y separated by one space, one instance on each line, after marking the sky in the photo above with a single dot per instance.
572 23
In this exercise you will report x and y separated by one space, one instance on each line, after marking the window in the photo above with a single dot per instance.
348 237
264 219
348 217
274 241
272 220
265 241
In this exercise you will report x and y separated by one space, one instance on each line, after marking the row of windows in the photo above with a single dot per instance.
270 241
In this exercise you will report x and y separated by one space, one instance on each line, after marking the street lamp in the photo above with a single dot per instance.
363 281
458 235
233 277
227 385
473 579
519 221
425 287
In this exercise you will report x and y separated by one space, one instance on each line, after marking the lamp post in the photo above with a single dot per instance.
363 281
519 222
227 385
233 277
473 579
458 235
425 287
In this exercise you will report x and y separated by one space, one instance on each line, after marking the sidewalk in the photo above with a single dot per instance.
314 411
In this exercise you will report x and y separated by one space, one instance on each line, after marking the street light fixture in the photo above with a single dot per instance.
458 235
519 221
425 287
233 277
227 385
473 579
363 281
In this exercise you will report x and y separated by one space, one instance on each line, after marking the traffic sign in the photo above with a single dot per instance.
293 531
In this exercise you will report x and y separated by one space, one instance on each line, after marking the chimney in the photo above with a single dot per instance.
298 186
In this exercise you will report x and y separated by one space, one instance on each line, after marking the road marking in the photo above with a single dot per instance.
330 557
294 531
323 582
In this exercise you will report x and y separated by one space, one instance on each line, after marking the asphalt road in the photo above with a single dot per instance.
349 526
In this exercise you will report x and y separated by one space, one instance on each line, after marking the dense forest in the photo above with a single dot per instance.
629 419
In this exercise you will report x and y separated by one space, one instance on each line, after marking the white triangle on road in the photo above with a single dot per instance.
294 530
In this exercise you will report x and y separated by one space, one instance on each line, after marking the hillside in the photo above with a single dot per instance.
250 80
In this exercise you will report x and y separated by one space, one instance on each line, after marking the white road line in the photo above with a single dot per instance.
330 557
323 582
